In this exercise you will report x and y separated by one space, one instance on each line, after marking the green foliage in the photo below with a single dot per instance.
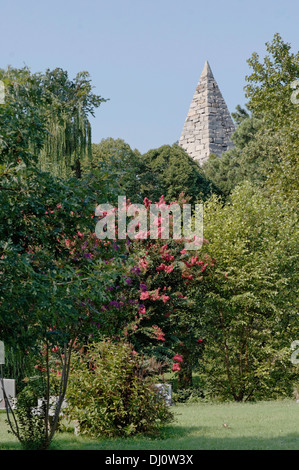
169 171
44 119
17 366
188 395
122 164
256 152
110 393
31 429
53 275
23 123
251 309
266 141
269 91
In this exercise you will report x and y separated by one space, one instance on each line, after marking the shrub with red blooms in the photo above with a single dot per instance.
163 280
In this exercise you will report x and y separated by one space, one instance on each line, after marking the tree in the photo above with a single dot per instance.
170 171
53 279
45 119
269 92
163 277
122 163
23 126
255 153
251 306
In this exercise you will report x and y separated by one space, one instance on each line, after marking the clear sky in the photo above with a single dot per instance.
146 56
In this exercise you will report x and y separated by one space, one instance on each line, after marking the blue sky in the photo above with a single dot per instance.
146 56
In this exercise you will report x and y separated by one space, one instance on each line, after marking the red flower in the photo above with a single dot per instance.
178 358
199 340
146 202
175 367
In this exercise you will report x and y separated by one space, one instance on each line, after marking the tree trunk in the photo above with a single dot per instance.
185 374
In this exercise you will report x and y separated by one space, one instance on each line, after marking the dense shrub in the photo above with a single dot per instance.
31 426
190 395
111 394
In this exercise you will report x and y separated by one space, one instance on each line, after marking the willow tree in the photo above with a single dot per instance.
46 119
69 104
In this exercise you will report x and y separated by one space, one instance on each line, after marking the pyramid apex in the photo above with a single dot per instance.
207 71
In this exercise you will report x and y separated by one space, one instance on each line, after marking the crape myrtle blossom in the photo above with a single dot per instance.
166 221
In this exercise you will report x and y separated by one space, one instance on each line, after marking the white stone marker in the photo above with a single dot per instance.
10 390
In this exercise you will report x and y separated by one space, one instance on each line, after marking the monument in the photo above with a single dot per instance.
208 126
7 386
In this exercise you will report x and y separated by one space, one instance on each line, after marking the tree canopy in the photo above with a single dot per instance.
45 119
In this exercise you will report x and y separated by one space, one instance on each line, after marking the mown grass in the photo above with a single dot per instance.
270 425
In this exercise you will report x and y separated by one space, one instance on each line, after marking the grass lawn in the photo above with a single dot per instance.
270 425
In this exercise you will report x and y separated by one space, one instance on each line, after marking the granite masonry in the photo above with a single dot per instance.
208 126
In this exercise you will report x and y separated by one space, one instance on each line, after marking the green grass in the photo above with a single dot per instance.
270 425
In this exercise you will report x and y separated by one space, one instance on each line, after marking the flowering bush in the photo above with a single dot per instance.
167 283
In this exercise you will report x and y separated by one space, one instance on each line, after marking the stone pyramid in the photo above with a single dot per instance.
208 126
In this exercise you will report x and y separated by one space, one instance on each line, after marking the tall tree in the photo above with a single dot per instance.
269 91
249 316
122 163
45 119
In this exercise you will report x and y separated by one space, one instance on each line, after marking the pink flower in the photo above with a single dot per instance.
156 295
199 340
143 264
161 267
165 298
178 358
158 333
169 269
167 257
175 367
144 295
186 276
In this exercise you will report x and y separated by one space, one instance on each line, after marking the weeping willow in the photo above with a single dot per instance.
68 146
44 121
